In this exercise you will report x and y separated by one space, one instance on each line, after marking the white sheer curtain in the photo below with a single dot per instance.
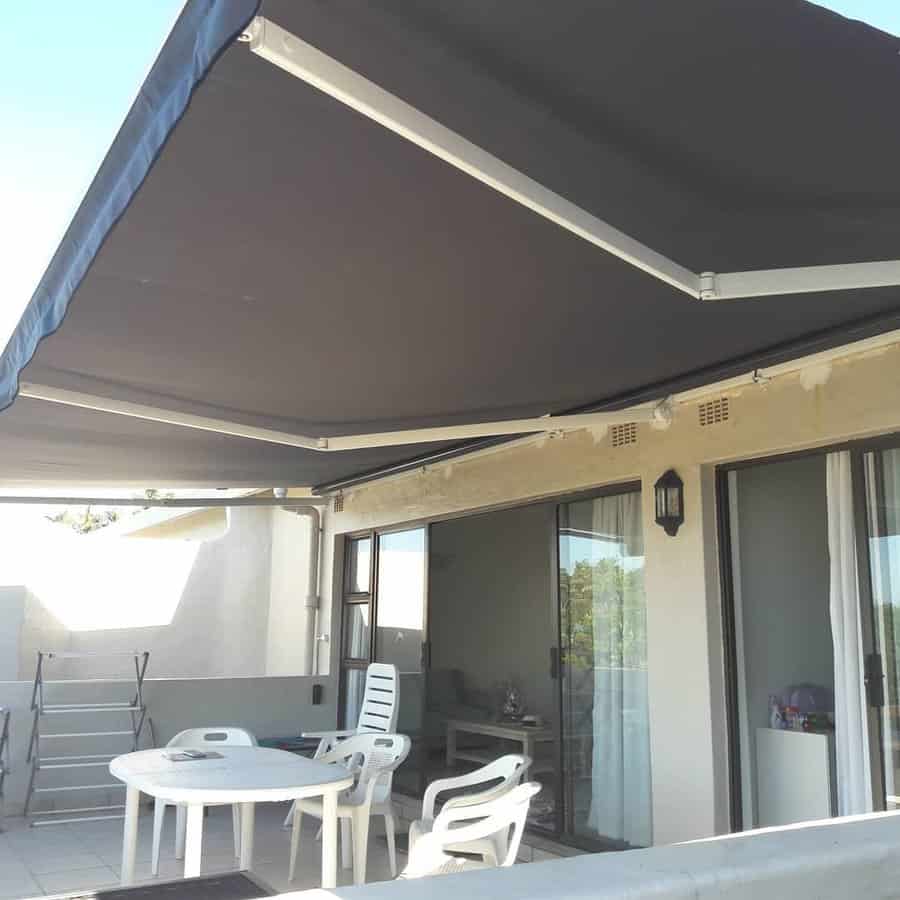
854 782
620 799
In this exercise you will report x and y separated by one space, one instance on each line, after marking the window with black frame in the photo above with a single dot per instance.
356 628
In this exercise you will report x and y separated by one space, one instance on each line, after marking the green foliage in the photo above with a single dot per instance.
604 615
83 519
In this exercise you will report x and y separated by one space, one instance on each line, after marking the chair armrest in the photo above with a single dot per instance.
328 740
328 734
493 771
448 784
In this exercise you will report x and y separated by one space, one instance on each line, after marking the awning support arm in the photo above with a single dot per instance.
658 412
285 50
278 46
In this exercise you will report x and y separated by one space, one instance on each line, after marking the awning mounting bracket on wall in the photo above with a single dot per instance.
302 60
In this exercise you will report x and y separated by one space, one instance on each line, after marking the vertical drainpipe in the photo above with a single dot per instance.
312 591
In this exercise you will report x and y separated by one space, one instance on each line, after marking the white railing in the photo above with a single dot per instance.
832 860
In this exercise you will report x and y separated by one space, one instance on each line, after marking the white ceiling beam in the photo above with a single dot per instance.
659 412
302 60
289 52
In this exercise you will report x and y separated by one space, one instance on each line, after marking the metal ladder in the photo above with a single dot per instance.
137 711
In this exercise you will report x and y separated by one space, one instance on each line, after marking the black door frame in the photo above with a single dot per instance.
553 502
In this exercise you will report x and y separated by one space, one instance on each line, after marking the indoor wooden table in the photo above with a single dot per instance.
526 735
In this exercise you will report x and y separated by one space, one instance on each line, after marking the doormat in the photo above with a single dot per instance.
229 886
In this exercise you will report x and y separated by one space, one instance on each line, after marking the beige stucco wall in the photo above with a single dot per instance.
850 398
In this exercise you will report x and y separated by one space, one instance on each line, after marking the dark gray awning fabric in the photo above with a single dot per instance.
289 263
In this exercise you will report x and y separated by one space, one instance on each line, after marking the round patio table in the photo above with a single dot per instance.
243 775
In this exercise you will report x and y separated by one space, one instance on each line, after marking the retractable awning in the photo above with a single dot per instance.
291 264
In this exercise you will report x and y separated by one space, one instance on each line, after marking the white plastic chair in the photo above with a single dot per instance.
198 739
466 825
502 775
373 759
377 714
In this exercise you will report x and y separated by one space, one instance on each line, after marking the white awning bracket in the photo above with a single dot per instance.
289 52
800 280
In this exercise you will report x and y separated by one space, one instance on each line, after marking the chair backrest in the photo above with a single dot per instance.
381 700
373 758
502 775
459 825
213 736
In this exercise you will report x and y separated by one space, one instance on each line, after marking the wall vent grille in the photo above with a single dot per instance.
338 505
714 411
623 434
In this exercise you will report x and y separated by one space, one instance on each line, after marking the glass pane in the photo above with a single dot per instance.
359 554
401 599
356 631
353 689
784 659
883 513
400 634
606 734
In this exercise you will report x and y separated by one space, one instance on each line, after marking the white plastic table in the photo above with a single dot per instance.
244 775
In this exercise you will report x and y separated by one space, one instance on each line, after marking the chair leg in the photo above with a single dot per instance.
390 834
296 817
180 830
159 814
236 828
346 849
360 844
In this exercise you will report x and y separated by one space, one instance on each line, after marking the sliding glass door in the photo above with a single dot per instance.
813 555
534 620
603 669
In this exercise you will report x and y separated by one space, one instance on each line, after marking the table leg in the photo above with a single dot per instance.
329 840
129 837
247 817
193 840
451 746
180 819
528 746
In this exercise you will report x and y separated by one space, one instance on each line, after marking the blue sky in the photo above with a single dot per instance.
69 72
883 14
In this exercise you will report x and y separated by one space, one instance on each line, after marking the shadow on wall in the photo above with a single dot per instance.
229 606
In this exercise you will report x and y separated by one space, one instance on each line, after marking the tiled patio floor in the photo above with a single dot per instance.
35 862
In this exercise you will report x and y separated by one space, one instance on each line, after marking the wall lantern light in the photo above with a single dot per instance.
669 491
